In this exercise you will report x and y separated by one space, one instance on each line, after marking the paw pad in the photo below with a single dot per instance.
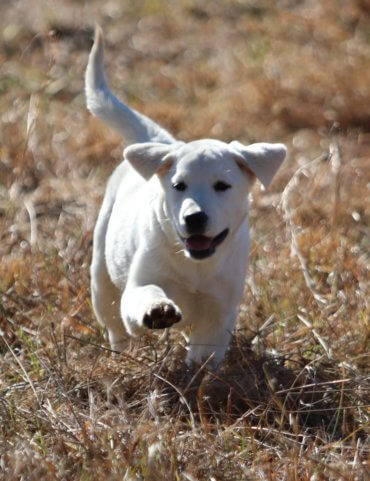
161 316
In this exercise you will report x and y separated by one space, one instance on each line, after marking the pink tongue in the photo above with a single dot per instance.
198 242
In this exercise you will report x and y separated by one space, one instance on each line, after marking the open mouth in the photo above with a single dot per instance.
200 246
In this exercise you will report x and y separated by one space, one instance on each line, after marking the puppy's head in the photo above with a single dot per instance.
206 185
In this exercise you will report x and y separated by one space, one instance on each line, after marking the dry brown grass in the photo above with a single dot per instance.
291 400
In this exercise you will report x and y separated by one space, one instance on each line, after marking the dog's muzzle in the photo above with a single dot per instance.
201 247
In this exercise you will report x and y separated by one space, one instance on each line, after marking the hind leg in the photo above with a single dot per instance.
106 303
104 294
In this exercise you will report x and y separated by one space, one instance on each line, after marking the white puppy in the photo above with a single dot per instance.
171 241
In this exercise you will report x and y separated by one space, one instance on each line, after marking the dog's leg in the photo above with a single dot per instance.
104 294
210 338
144 303
147 307
106 300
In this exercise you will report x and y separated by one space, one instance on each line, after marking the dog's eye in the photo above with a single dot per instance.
221 186
180 186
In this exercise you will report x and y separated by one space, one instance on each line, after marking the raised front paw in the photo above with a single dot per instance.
162 314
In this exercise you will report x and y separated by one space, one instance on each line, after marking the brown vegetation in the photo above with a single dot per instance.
291 400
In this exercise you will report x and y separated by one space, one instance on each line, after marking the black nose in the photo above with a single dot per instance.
196 223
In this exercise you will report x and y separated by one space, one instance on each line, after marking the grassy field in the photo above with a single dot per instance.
291 400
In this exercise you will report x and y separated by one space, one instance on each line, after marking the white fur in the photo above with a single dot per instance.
143 267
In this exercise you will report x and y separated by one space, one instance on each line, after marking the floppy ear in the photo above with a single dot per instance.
262 159
149 158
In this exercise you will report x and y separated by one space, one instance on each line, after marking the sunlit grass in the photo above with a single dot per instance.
292 397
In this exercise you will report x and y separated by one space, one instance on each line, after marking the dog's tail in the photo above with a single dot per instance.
101 102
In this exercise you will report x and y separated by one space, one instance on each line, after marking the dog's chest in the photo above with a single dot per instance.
198 281
196 278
